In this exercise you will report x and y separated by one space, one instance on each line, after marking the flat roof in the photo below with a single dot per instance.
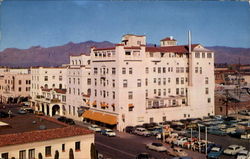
26 128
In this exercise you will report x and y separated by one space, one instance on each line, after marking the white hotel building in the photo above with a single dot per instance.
133 84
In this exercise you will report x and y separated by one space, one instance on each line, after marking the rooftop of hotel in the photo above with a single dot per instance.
30 128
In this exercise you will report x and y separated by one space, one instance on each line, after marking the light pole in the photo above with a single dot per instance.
199 129
206 139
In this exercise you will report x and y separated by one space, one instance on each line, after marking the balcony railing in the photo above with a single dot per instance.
163 106
55 100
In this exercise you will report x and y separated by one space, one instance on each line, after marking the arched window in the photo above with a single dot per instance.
80 62
72 62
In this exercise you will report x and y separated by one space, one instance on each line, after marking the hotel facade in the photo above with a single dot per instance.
132 83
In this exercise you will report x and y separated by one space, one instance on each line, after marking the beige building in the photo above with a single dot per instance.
78 85
48 89
36 137
132 83
14 85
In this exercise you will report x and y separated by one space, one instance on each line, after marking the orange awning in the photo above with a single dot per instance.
101 117
94 103
87 102
130 105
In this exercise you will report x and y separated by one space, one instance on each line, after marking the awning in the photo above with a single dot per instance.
130 105
94 103
101 117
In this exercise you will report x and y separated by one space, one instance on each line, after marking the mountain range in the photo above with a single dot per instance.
58 55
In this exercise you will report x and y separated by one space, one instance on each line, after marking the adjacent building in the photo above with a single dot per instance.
132 83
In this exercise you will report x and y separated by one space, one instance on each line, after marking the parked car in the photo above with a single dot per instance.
244 154
3 114
28 109
62 119
217 132
243 112
144 156
38 112
156 146
142 132
155 130
233 149
180 141
129 129
235 134
108 132
171 139
95 128
21 111
186 157
209 147
177 152
215 152
70 121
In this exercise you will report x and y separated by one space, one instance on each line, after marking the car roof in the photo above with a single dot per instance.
233 146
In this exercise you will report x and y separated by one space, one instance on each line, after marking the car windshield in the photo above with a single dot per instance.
230 148
109 130
215 149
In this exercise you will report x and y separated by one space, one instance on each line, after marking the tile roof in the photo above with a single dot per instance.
168 39
176 49
62 91
42 135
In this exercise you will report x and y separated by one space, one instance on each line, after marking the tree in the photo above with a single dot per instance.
56 155
40 156
71 154
93 151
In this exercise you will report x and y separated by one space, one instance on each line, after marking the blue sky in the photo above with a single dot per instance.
55 22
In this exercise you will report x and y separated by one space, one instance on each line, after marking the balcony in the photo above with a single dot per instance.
55 100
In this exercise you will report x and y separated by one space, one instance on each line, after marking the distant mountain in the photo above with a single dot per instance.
58 55
52 56
231 55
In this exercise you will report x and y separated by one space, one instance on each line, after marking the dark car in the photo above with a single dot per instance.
70 121
3 114
144 156
62 119
235 134
129 129
209 147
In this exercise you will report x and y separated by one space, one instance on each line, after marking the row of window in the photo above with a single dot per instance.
203 55
31 152
104 53
46 78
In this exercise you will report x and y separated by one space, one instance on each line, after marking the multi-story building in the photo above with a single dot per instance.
32 137
132 83
14 85
48 89
78 85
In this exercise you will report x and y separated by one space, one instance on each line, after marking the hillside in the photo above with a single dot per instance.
57 55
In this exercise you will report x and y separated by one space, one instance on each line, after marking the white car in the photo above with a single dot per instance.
177 152
244 154
95 128
156 146
233 149
142 132
181 141
108 132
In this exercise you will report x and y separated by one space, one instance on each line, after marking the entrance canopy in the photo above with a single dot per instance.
101 117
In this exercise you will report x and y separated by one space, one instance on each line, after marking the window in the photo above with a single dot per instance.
20 82
154 69
159 69
69 80
125 83
127 53
146 70
155 91
95 70
164 118
183 101
159 92
95 92
146 93
95 81
200 70
130 109
48 151
177 80
203 55
19 89
130 71
206 91
164 81
69 90
159 81
182 91
22 154
78 92
154 80
113 71
146 82
209 55
78 80
130 95
113 83
31 153
113 95
197 55
206 80
169 80
77 146
74 80
138 82
169 90
123 70
177 70
60 78
89 81
5 155
164 70
196 69
45 78
209 100
187 70
164 92
177 91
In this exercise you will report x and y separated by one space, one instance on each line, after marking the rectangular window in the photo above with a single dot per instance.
146 93
159 92
146 70
200 70
89 81
177 80
169 90
182 80
60 78
187 70
159 81
164 70
197 55
130 71
206 80
177 70
182 91
20 82
113 95
164 81
207 91
113 71
169 80
123 70
154 69
155 91
31 153
159 69
47 151
203 55
130 95
138 82
183 101
22 154
113 83
128 53
77 146
45 78
177 91
196 69
95 70
125 83
5 155
209 55
154 80
164 92
164 118
19 89
146 82
209 100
